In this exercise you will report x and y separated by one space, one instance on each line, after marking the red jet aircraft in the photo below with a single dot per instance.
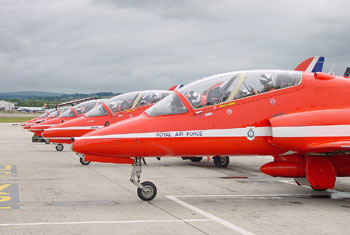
68 113
53 115
116 109
41 118
300 118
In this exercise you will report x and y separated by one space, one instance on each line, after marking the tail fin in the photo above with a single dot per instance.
174 88
347 72
312 64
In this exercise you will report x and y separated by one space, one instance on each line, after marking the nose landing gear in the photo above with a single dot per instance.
59 147
146 190
81 159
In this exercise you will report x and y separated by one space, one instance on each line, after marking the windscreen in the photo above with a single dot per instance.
54 114
98 111
122 102
168 106
85 107
44 115
67 113
211 90
150 97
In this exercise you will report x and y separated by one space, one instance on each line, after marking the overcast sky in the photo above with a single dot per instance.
109 45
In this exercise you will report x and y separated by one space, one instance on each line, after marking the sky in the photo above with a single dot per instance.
85 46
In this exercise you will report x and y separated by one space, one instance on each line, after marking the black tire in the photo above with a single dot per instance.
196 159
151 191
107 124
47 141
83 162
319 189
59 147
221 162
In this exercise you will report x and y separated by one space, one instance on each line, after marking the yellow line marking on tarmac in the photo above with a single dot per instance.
4 198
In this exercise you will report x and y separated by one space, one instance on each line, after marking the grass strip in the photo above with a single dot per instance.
15 119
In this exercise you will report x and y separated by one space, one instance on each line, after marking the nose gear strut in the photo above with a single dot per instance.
146 190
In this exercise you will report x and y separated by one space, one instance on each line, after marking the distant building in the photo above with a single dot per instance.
6 106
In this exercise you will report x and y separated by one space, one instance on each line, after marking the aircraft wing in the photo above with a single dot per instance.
312 64
329 146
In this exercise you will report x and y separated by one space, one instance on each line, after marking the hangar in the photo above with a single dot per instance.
6 106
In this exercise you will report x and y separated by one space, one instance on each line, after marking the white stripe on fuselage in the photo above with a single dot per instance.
59 138
235 132
76 128
283 132
312 131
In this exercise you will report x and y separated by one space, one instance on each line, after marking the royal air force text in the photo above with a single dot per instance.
180 134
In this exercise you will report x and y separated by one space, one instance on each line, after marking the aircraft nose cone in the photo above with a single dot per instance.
79 146
51 132
93 146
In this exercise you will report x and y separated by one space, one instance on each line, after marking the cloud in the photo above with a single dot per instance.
120 46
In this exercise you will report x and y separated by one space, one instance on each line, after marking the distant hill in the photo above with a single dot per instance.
28 94
39 98
51 95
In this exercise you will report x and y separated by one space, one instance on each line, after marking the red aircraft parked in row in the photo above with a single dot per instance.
105 114
53 115
68 113
37 120
300 118
116 109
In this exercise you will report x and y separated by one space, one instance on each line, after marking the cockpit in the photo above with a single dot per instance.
47 113
226 87
81 108
127 101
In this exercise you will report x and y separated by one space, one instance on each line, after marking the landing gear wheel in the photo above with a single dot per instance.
59 147
196 159
148 192
319 189
47 141
83 162
221 162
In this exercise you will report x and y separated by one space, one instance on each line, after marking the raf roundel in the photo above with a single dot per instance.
250 133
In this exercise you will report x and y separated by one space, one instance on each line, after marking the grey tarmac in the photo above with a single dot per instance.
43 191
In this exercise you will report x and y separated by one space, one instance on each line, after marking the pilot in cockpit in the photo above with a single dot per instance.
267 81
195 98
156 97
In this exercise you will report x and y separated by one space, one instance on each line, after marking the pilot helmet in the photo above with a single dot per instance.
113 105
266 79
195 98
156 96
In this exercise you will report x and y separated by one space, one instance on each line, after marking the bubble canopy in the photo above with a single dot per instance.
127 101
81 108
226 87
58 111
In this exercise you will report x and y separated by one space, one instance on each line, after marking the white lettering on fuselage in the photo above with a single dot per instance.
163 134
194 133
180 134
